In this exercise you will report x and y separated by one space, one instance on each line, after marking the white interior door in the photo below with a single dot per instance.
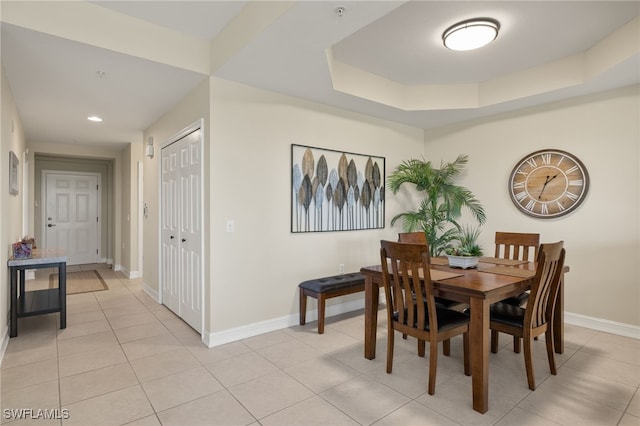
71 220
190 230
181 229
170 233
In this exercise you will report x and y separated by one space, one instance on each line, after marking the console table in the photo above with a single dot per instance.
38 302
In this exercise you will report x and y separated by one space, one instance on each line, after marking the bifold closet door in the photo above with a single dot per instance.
182 229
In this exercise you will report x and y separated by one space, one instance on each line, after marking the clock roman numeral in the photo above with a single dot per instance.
559 205
521 196
571 170
518 185
577 182
544 209
532 163
545 158
572 196
560 160
530 205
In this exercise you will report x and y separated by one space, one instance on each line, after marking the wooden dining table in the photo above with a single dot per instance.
479 287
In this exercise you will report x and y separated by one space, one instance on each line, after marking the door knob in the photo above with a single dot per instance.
51 224
172 237
183 240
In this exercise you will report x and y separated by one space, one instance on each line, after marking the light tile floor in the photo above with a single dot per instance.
124 359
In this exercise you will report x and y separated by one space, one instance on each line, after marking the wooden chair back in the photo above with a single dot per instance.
517 246
402 266
412 237
544 288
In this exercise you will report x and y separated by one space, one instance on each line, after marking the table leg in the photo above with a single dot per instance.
371 295
558 319
62 291
479 352
13 332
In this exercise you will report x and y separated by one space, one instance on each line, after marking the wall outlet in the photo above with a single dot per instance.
341 268
231 225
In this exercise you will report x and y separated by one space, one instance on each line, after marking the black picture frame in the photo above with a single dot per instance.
13 173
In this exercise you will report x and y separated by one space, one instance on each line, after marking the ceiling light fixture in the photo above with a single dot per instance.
94 118
471 34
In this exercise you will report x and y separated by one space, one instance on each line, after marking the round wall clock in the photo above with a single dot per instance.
548 183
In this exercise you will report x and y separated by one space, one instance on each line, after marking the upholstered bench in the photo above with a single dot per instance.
326 288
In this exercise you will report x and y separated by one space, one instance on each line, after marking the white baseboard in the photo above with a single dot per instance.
117 267
152 293
250 330
134 274
600 324
4 343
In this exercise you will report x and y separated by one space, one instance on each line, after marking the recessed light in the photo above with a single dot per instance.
94 118
471 34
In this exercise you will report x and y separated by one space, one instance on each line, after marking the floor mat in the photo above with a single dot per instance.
80 282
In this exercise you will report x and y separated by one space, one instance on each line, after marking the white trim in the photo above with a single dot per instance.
140 218
599 324
227 336
4 344
250 330
117 267
151 292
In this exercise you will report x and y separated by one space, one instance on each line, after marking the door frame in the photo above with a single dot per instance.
197 125
43 193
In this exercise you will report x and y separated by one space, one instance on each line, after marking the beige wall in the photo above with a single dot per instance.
256 270
602 236
11 211
131 155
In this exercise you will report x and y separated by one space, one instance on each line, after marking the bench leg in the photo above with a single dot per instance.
321 303
303 307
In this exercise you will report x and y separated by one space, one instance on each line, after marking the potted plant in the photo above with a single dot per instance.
466 252
442 204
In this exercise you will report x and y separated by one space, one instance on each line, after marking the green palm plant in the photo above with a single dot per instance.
442 205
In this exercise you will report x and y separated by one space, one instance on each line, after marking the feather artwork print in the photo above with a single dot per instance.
335 190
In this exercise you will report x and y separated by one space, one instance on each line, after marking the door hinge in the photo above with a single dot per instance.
97 219
96 187
96 251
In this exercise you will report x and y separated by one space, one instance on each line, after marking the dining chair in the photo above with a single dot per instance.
517 246
421 238
411 306
535 319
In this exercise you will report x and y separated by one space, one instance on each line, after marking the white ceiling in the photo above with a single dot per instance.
55 85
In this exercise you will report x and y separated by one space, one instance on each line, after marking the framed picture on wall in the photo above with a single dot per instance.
336 190
13 173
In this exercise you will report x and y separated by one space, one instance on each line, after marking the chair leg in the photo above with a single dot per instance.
321 305
494 341
548 337
465 350
303 307
516 344
446 347
421 348
433 366
390 339
528 362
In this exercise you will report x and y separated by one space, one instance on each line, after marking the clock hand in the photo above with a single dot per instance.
546 182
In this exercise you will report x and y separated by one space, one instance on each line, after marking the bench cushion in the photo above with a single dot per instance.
337 282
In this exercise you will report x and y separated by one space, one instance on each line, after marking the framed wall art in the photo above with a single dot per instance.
13 173
335 190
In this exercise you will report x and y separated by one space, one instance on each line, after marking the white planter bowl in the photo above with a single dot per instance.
463 262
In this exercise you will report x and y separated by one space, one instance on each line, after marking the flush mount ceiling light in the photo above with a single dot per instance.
471 34
94 118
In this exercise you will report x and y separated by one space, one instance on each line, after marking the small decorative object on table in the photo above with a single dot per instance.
467 252
22 250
